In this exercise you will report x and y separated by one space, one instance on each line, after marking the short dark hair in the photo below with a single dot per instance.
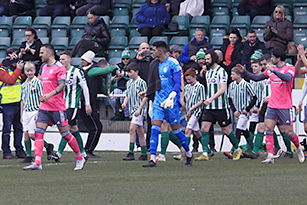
251 31
257 61
102 62
279 53
49 46
66 53
91 11
133 66
161 44
213 55
265 57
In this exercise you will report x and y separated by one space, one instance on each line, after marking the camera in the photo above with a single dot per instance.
146 54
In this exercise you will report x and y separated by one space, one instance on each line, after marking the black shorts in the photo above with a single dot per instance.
221 116
72 114
262 112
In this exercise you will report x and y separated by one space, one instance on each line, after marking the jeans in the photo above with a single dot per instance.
11 116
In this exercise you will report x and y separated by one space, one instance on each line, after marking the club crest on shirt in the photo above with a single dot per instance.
165 69
51 71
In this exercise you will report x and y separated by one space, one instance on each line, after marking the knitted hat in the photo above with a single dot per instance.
257 54
126 54
88 56
200 54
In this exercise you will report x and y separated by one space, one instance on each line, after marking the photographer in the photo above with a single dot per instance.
119 80
10 93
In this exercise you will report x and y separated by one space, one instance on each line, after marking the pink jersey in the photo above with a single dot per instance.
50 76
281 91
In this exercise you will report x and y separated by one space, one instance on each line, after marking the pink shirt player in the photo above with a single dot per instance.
50 76
281 91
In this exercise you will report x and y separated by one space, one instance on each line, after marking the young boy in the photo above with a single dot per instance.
241 99
194 96
30 94
137 110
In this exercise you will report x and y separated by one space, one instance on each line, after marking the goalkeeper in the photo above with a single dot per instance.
165 80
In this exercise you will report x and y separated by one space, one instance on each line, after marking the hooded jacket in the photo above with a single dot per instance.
98 30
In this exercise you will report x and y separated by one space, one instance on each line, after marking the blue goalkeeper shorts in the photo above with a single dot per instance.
172 116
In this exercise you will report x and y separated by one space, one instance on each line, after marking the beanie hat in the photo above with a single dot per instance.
257 55
200 54
126 54
88 56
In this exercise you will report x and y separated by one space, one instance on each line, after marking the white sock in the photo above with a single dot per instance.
205 154
153 157
270 156
59 154
182 150
189 153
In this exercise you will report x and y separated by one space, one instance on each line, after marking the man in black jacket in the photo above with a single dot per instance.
100 7
56 8
95 38
91 122
21 7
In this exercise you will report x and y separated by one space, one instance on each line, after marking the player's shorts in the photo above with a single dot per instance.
242 123
262 112
193 123
282 116
305 114
254 117
29 121
139 120
222 116
54 117
72 114
172 116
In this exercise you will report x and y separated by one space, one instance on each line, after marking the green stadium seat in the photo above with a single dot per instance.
44 40
60 43
243 31
114 61
42 32
217 32
183 22
115 53
300 40
73 42
61 22
133 32
42 22
300 11
5 42
235 3
220 22
179 40
240 22
76 32
300 22
22 22
120 22
6 22
4 32
220 10
134 11
117 32
40 3
217 42
122 3
158 38
118 42
221 3
106 20
120 11
260 21
200 22
59 32
17 42
76 61
19 32
137 3
79 22
136 41
259 33
3 53
300 32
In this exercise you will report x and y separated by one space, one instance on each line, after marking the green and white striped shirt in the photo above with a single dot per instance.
267 88
31 91
214 78
133 89
192 95
258 89
241 94
73 90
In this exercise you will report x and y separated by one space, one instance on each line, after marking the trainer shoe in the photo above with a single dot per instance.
288 155
278 154
177 157
129 157
188 162
27 160
237 154
300 154
151 163
84 155
161 158
228 155
79 164
250 155
33 166
56 157
268 161
201 157
50 152
143 157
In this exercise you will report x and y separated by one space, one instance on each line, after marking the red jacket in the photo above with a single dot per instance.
9 79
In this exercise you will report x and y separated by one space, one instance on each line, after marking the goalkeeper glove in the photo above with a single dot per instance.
169 102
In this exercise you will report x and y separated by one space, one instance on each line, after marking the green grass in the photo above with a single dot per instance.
112 181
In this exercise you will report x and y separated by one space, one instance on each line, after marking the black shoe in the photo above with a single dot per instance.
55 157
27 160
50 152
151 163
211 154
91 155
195 150
213 150
129 157
250 155
288 155
143 158
188 161
21 156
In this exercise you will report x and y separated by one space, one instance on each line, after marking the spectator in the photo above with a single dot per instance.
175 51
56 8
232 51
192 8
255 7
10 87
4 7
278 31
120 79
249 47
188 55
21 7
96 37
152 18
100 7
29 49
172 6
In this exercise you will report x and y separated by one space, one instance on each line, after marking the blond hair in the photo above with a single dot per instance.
282 9
29 65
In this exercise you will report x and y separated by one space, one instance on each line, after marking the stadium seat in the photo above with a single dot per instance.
217 42
220 10
42 22
106 20
76 61
40 3
6 23
133 32
4 32
183 22
300 22
222 3
137 3
76 32
240 22
60 26
122 3
260 21
259 32
3 53
158 38
136 41
217 32
300 40
115 53
235 3
220 22
59 32
73 42
60 43
5 42
243 31
117 32
200 22
179 40
118 42
234 11
42 32
120 11
17 42
22 22
114 61
134 11
18 32
121 22
300 11
44 39
300 32
79 22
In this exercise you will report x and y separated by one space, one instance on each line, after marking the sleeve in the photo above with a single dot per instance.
40 87
223 77
139 17
177 75
96 71
184 58
143 86
61 74
250 90
83 84
22 93
128 87
9 79
104 37
267 34
202 93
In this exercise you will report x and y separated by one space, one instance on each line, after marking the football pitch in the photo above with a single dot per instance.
110 180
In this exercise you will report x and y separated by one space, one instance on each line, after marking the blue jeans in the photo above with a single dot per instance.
11 116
